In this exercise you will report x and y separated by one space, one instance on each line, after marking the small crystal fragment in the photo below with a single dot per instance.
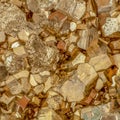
24 83
38 89
5 99
61 45
89 99
72 8
76 90
73 26
100 62
71 48
23 35
54 102
87 74
48 114
79 8
15 44
99 84
22 74
36 101
102 76
80 58
23 102
12 40
32 80
19 50
37 78
14 86
48 84
83 43
56 20
73 38
110 27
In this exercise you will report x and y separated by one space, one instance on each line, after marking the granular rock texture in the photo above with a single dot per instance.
59 59
12 18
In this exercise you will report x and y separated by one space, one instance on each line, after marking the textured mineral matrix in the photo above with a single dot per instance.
59 59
